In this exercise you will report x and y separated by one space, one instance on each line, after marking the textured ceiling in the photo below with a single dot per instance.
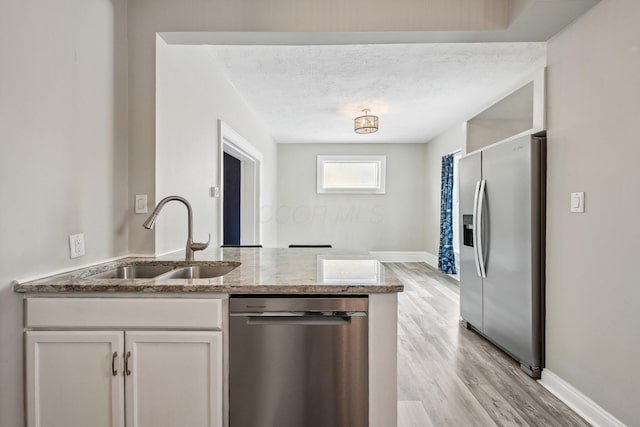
312 93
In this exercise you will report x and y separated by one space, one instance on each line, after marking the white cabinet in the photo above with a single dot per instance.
522 112
174 379
70 381
113 378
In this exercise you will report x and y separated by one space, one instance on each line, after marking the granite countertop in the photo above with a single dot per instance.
261 271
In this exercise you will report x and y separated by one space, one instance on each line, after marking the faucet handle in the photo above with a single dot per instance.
200 246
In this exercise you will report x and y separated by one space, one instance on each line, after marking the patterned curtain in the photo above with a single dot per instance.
446 257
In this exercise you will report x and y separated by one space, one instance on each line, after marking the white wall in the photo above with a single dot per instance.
451 140
383 222
147 17
593 288
63 152
192 94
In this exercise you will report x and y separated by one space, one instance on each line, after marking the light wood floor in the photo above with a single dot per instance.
450 376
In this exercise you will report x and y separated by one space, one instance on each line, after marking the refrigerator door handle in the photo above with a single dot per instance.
479 232
475 228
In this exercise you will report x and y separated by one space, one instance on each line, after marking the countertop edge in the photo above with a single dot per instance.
205 289
235 283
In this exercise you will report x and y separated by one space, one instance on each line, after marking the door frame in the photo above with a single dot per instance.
231 142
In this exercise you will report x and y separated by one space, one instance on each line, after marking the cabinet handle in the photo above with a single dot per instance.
126 363
114 371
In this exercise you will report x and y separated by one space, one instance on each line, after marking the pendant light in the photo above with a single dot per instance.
366 123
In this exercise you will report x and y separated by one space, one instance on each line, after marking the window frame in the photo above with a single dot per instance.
380 187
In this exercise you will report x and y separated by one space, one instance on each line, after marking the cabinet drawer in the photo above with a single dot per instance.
124 313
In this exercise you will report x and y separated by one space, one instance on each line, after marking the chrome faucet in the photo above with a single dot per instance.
191 245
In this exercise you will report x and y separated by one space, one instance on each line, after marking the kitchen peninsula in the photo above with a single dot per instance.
78 321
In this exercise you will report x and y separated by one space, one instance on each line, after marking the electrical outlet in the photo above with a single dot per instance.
76 245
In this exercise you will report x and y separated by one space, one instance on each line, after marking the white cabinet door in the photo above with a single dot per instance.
74 379
174 379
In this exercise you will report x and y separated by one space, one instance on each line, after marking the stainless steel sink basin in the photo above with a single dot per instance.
199 272
168 270
134 271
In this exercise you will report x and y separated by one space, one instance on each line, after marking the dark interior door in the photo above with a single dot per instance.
231 200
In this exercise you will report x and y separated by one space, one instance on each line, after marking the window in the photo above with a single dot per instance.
351 174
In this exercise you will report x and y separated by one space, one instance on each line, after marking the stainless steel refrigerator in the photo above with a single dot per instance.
502 215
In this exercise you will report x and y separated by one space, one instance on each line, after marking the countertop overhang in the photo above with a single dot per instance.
261 271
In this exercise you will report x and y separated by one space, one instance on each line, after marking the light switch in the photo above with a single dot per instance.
577 202
141 203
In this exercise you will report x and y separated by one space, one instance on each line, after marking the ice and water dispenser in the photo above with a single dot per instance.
467 230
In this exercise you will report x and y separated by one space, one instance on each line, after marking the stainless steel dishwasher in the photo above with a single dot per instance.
298 362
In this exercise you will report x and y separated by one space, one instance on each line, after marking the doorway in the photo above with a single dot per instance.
240 180
231 203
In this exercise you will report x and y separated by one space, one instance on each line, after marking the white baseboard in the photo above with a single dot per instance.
576 400
432 260
399 256
405 256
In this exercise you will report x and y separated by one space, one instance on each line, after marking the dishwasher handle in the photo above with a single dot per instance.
299 320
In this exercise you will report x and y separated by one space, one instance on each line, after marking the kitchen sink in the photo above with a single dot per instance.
133 271
200 271
168 270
